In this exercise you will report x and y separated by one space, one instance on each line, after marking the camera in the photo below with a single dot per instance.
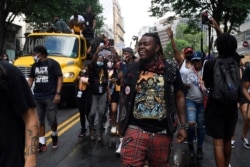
205 19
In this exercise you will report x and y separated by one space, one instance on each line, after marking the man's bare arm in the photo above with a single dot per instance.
31 136
177 54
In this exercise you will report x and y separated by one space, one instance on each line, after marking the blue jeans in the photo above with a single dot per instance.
195 114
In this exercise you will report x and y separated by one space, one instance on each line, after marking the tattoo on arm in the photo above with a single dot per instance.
31 140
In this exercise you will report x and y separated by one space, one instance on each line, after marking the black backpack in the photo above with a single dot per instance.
226 80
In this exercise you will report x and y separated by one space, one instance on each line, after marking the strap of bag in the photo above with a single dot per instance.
202 91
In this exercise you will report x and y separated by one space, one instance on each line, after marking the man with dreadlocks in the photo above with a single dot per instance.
152 105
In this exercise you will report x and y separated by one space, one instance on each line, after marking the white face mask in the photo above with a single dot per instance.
110 64
36 58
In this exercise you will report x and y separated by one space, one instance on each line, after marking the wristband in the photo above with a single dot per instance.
58 93
183 126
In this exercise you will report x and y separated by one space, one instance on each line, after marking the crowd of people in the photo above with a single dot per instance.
149 100
205 114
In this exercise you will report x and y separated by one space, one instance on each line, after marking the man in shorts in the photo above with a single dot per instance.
46 74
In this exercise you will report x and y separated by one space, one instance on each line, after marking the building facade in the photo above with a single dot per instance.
244 38
113 24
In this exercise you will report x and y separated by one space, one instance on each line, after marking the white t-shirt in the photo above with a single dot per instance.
189 76
184 70
80 18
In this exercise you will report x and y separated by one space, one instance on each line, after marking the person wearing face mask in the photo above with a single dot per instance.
195 105
46 74
114 91
83 98
98 84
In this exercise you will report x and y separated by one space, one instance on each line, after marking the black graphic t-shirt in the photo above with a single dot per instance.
149 111
45 76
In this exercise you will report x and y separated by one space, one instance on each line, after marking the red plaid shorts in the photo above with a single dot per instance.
139 146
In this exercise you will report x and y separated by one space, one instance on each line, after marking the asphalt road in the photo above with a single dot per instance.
75 151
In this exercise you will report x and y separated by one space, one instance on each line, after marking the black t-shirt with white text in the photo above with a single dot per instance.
45 76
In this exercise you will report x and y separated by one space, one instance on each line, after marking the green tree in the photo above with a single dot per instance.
96 8
180 43
184 39
63 9
194 39
40 13
230 13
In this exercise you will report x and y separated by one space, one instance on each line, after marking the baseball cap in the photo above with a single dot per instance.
128 49
197 56
188 49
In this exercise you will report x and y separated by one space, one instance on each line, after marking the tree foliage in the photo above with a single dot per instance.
230 13
40 13
180 43
62 9
184 39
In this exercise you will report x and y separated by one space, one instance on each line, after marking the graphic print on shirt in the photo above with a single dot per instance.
149 99
41 74
193 79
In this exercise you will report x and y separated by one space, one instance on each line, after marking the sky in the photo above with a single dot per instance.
135 16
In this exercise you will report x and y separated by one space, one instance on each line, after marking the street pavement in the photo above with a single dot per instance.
88 153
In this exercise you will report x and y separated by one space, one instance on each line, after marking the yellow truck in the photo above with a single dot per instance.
69 50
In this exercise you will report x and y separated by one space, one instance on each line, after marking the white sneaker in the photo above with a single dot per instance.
113 130
245 143
118 150
232 143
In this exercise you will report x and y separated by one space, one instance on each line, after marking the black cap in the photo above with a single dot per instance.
128 49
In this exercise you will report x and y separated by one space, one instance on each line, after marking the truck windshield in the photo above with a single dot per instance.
56 45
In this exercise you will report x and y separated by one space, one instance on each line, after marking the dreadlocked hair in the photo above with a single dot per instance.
157 42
